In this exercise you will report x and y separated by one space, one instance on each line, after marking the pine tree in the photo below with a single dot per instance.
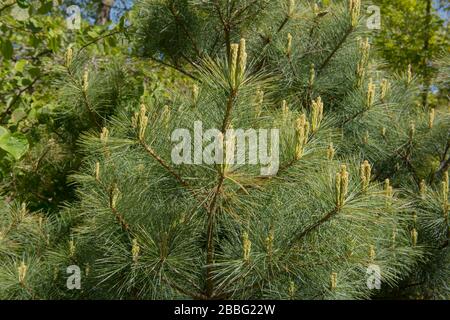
356 189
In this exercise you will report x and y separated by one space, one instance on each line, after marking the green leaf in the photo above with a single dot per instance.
18 115
7 49
3 131
122 22
34 72
35 41
53 43
34 25
20 65
46 7
111 41
15 144
23 3
24 82
92 34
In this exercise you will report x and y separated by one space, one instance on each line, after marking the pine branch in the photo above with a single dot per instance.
212 206
267 42
331 55
29 291
181 24
291 65
197 296
316 22
120 219
152 153
354 116
290 163
91 112
406 159
283 24
171 171
226 28
175 68
241 11
12 225
444 163
313 227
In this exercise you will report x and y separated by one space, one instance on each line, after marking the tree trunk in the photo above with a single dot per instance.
103 15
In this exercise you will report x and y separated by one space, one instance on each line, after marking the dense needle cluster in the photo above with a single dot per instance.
357 184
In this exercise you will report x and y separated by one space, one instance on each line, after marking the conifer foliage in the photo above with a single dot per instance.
361 186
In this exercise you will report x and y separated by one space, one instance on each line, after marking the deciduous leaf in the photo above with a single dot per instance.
20 65
3 131
15 144
7 49
46 7
18 115
23 3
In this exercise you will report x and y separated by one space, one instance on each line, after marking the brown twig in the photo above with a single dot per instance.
98 39
15 99
175 68
6 6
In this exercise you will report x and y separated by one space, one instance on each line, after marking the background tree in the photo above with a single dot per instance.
38 148
416 32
